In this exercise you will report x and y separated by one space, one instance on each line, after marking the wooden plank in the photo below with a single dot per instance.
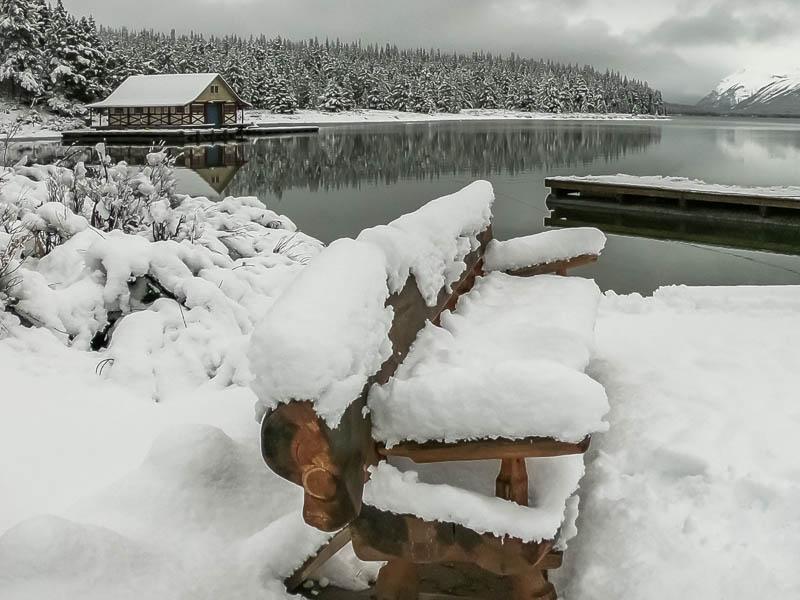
336 543
381 535
559 267
622 190
533 447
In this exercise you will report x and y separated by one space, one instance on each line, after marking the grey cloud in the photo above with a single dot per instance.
720 25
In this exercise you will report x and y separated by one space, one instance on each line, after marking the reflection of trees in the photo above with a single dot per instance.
346 158
338 158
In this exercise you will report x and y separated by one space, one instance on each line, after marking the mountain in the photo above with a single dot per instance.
752 92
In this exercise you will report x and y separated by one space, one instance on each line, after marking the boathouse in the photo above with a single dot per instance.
173 100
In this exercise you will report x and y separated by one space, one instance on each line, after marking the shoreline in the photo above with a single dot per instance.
367 116
384 117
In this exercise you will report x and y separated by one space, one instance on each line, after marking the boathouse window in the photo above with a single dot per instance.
117 111
138 110
230 108
215 89
197 109
179 110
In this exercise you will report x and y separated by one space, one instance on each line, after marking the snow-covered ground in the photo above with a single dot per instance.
265 117
32 124
695 490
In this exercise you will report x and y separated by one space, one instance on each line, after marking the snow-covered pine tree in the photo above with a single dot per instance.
279 97
336 98
400 96
21 51
378 97
447 99
487 94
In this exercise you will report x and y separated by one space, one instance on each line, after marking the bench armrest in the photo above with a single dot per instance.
533 254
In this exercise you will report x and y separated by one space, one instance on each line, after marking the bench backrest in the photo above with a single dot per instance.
331 464
297 443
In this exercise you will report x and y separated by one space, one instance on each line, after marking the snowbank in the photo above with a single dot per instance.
542 248
33 124
697 475
265 117
683 183
170 318
174 300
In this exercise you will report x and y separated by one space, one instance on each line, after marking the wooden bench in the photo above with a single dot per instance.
332 465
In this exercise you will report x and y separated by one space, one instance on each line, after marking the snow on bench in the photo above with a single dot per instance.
508 363
328 333
406 493
543 248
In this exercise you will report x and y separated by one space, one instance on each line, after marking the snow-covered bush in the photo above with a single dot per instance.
109 257
13 238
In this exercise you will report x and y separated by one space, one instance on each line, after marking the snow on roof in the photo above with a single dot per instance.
173 89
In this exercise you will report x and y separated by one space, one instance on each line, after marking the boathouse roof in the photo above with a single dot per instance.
174 89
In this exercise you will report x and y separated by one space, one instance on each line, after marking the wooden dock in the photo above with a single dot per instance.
188 135
695 194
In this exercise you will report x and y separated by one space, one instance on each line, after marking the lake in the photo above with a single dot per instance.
347 178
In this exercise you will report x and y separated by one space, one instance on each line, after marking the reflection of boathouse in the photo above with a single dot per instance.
202 170
216 165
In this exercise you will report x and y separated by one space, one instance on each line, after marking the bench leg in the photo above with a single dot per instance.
532 585
397 580
512 481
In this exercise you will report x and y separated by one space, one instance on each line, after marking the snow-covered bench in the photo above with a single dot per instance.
420 343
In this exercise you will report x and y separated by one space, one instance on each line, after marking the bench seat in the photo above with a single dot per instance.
506 364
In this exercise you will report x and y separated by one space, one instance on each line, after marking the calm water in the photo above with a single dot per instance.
350 177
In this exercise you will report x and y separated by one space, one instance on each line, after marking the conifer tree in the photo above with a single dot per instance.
21 52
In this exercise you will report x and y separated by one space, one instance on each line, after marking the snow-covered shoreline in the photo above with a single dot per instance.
316 117
50 128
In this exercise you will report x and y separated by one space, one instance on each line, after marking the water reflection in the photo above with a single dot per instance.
740 228
350 177
200 170
349 157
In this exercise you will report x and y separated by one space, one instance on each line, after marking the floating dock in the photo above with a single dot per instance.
193 134
684 193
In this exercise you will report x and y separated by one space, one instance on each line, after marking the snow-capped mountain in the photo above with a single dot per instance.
757 93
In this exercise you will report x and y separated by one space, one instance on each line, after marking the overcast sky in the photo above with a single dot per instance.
682 47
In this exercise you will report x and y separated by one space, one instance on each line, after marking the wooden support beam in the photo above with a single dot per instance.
533 447
558 267
336 543
512 481
381 535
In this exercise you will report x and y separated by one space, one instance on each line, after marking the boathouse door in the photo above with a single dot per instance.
214 113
